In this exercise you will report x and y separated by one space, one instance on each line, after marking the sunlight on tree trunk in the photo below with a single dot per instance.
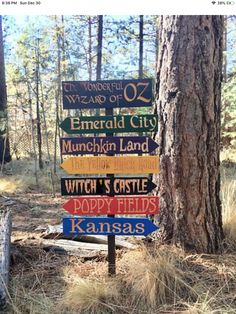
188 104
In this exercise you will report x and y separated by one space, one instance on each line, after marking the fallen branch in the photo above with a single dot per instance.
55 232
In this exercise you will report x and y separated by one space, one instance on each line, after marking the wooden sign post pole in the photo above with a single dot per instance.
111 240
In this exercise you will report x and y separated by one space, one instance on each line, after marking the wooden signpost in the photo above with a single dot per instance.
110 124
107 145
106 186
107 94
116 164
108 226
109 195
122 205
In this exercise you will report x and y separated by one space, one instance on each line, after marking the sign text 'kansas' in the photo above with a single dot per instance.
108 226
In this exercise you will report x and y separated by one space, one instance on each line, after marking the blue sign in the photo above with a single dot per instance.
108 226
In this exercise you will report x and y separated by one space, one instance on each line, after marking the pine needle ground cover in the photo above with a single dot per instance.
167 281
150 279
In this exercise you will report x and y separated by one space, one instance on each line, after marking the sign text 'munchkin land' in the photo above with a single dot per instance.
107 145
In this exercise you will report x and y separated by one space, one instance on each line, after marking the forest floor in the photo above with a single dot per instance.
150 279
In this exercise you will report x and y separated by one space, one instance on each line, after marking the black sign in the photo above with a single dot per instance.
107 94
106 186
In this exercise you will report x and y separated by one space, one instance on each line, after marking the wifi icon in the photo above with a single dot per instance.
213 2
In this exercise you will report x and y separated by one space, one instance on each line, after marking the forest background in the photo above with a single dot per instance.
40 53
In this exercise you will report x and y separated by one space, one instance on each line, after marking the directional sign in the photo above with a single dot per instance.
121 205
106 94
116 164
107 145
110 124
108 226
106 186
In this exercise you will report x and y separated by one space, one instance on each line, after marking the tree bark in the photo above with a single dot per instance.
188 104
4 140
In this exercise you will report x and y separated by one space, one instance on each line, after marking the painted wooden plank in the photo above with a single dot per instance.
110 124
107 94
116 164
121 205
106 186
107 145
108 226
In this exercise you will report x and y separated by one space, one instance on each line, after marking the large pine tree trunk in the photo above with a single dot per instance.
188 104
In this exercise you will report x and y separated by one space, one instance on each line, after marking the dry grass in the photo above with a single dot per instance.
91 296
228 191
205 307
28 299
154 278
12 184
36 284
149 280
24 178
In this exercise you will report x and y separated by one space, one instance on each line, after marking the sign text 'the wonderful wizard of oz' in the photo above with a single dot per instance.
107 94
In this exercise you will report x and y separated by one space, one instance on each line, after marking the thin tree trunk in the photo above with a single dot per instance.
90 73
99 54
99 47
156 44
140 72
57 98
39 132
63 47
47 142
225 50
90 47
4 140
33 143
188 104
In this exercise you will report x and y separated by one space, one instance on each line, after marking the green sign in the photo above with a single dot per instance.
110 124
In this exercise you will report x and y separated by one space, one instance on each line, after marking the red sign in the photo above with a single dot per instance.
121 205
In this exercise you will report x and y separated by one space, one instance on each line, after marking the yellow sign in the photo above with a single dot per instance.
110 164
